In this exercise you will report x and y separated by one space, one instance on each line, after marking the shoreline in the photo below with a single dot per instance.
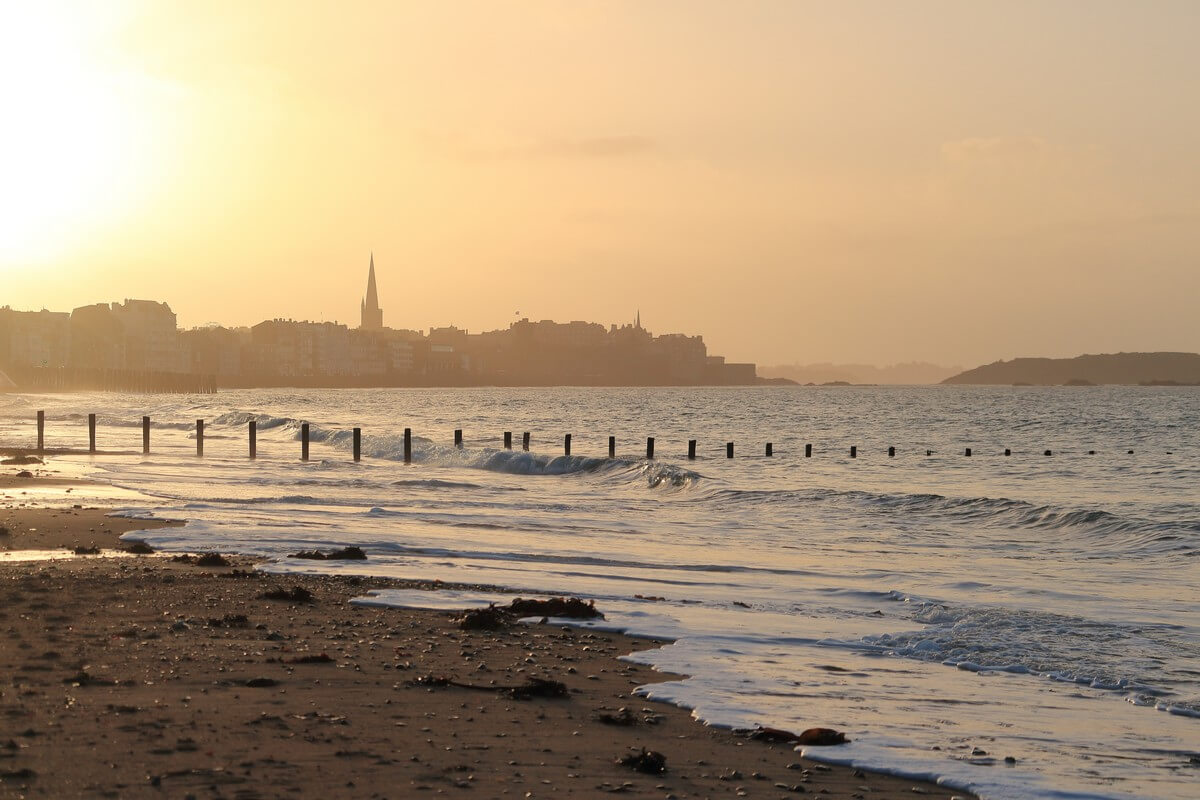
133 675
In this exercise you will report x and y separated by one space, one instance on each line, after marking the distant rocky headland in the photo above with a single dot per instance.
1145 369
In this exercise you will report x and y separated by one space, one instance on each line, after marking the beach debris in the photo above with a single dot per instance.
211 560
313 658
86 550
345 554
261 683
822 737
25 773
771 735
536 687
651 597
140 549
296 594
229 621
24 474
22 460
495 617
623 717
485 619
647 761
531 688
570 607
82 678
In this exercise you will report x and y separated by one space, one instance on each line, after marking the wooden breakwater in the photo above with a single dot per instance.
87 379
505 439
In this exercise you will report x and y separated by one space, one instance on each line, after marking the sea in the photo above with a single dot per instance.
1022 626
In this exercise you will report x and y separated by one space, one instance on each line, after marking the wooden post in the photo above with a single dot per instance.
145 435
458 438
968 453
1007 452
928 452
649 447
1047 453
612 447
854 451
508 440
408 445
729 449
525 441
304 441
691 449
770 450
41 426
808 451
567 445
92 433
252 437
358 444
199 437
891 452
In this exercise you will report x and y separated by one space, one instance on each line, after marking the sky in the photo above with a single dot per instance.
954 182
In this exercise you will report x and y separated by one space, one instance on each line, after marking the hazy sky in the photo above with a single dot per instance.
849 181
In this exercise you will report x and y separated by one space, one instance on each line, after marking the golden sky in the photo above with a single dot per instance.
798 181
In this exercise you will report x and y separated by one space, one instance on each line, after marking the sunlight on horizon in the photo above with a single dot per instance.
75 152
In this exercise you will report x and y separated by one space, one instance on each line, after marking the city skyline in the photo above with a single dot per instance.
802 182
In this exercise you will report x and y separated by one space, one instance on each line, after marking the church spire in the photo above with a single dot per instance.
372 314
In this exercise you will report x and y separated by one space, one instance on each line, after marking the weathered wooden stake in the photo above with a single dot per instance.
145 434
304 441
567 444
199 437
91 433
729 449
252 437
612 447
691 449
458 438
1007 452
968 453
508 440
928 452
808 451
408 445
1047 453
358 444
41 425
891 452
649 447
525 441
770 450
854 451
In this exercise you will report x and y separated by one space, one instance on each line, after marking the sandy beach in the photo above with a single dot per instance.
148 676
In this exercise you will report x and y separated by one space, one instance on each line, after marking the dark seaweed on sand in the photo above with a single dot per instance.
296 594
345 554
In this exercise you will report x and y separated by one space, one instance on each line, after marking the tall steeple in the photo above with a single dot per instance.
372 314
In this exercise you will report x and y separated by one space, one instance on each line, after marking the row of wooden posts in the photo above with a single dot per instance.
458 442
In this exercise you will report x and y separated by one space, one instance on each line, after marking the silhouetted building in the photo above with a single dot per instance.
34 338
372 314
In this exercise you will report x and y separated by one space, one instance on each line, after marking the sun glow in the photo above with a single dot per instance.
71 143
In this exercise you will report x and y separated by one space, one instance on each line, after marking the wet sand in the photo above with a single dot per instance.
142 676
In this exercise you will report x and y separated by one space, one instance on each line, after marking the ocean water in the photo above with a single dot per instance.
945 611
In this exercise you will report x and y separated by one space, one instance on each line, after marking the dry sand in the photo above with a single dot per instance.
140 676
